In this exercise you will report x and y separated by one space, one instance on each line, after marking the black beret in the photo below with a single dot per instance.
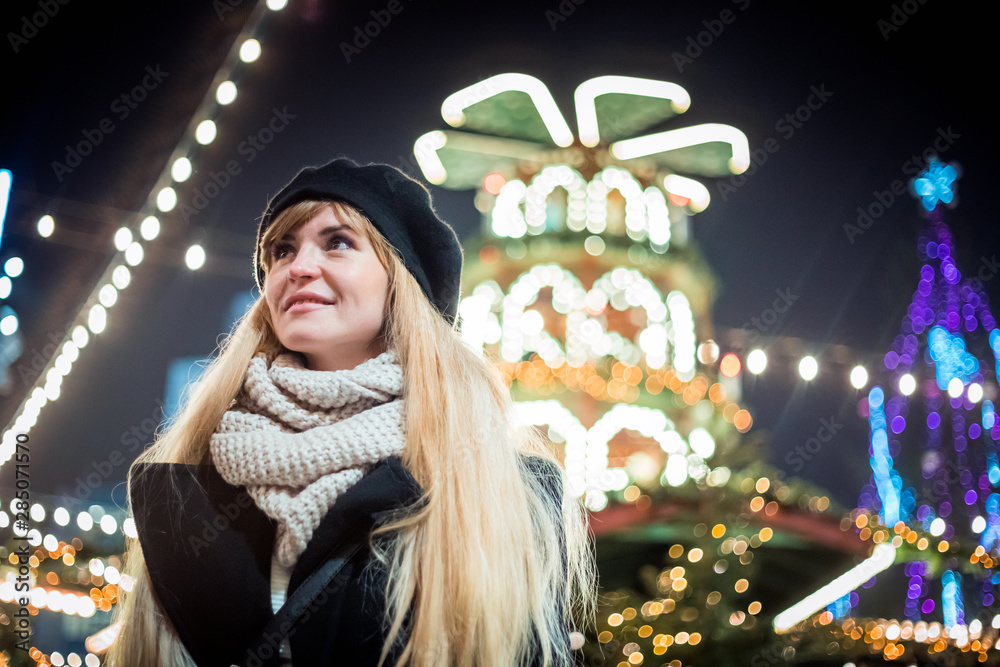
399 207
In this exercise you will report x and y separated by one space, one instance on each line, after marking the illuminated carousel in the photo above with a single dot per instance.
585 286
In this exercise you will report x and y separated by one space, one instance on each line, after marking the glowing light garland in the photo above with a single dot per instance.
163 198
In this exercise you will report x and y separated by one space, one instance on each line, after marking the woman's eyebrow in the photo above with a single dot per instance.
326 231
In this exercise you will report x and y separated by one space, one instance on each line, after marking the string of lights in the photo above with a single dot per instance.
129 240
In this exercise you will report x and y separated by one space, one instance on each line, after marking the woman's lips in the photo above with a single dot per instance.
307 306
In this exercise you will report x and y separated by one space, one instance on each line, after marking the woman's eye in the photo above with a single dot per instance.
339 243
280 250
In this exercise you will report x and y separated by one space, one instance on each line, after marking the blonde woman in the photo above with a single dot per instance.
346 485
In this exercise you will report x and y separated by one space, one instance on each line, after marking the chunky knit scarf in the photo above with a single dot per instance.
298 438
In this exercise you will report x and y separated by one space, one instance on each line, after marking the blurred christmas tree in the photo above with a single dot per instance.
934 405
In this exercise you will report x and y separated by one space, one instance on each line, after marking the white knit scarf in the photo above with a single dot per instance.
298 438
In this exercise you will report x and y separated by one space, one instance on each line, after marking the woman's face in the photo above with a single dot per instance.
326 291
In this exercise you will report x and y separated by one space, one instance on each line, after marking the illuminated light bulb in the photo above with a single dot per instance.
226 92
195 257
6 286
590 90
975 392
978 524
594 245
276 5
452 110
63 365
8 325
97 319
108 524
205 133
46 225
955 387
859 377
250 50
84 521
907 384
494 182
133 254
690 189
150 228
702 443
882 557
676 471
756 361
937 527
123 237
808 368
425 150
61 516
128 527
80 336
708 352
180 170
13 267
730 365
108 296
166 199
121 277
685 137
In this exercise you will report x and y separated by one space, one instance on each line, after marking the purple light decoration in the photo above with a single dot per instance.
898 424
954 460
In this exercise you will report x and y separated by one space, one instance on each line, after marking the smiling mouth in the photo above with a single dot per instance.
308 304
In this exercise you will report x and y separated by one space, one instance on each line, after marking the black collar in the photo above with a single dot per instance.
208 547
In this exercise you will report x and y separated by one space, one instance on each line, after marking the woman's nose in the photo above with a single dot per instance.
305 264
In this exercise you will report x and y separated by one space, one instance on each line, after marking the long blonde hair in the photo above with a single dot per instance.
484 521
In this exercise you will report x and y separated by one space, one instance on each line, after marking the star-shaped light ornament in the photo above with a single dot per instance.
936 183
516 145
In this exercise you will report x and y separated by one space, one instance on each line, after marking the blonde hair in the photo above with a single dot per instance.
485 520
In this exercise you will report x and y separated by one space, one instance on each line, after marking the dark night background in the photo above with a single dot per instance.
783 229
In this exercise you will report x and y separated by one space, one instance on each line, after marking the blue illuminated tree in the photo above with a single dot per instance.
938 397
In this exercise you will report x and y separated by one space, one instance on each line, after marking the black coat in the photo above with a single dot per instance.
208 550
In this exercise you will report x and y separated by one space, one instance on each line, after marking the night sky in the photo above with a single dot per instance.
882 93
